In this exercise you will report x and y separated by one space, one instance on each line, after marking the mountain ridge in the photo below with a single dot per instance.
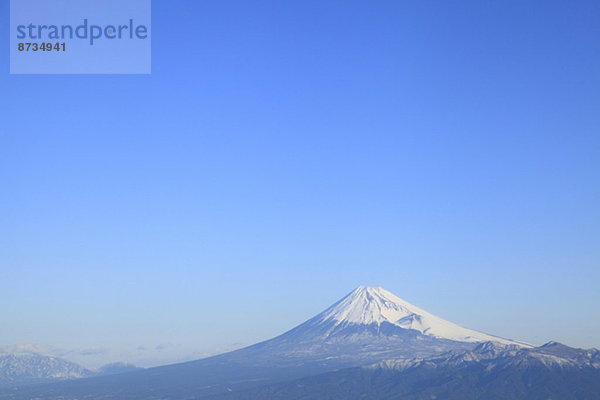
488 371
29 367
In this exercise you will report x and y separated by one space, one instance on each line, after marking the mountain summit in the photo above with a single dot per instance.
375 305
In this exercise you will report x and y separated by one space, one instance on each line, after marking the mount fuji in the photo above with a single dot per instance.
367 326
374 309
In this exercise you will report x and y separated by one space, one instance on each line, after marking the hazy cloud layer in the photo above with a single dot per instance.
140 355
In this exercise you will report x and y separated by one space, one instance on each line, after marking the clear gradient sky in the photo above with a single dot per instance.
283 153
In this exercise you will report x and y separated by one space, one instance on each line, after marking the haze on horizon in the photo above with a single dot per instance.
282 154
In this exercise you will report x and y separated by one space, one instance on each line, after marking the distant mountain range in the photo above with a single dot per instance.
21 368
371 344
489 371
28 367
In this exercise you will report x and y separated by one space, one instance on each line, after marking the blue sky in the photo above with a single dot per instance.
282 154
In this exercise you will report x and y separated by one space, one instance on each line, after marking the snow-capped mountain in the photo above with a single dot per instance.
376 306
26 367
493 355
368 324
20 368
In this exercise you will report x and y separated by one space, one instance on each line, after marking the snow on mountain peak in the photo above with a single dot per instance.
374 305
368 305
